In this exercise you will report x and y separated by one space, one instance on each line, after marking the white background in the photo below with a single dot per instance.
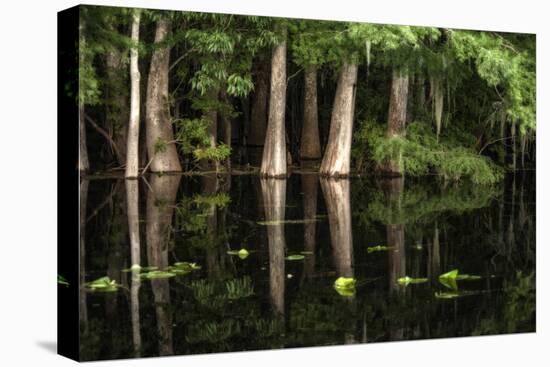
28 182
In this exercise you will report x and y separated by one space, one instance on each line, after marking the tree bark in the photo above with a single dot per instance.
274 155
132 145
337 199
336 161
258 114
310 146
117 103
397 115
158 124
274 197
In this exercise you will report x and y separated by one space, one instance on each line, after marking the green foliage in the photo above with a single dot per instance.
103 284
420 153
418 204
62 281
192 136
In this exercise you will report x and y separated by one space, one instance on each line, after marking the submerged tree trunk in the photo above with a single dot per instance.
274 198
160 208
274 155
397 115
310 147
337 199
83 163
160 137
132 145
336 161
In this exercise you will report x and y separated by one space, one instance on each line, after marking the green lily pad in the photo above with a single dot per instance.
345 292
62 281
103 284
158 274
306 252
295 257
449 279
408 280
377 249
345 286
242 253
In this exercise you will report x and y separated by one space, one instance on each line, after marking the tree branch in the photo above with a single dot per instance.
105 135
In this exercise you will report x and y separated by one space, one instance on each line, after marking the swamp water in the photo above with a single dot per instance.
396 238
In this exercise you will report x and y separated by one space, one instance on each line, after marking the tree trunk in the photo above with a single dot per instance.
274 155
83 163
160 137
132 145
310 147
258 123
117 103
336 161
337 200
397 115
274 197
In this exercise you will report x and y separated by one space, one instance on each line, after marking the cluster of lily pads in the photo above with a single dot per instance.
106 284
448 279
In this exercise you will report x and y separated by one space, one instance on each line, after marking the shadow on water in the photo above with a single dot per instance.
300 234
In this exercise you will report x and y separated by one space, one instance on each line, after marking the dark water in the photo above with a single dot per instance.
268 302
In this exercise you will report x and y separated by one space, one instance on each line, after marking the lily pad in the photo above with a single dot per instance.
345 286
242 253
158 274
408 280
295 257
377 249
449 279
103 284
62 281
306 252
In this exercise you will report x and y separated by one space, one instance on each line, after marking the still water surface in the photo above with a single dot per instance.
266 301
